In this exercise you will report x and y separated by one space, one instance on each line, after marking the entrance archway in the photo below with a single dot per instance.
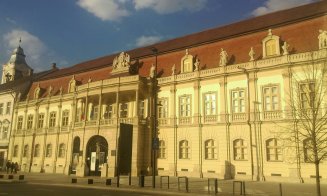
96 154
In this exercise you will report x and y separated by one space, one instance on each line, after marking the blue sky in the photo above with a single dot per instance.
71 31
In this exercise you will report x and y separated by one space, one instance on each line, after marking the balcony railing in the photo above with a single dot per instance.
239 116
91 122
109 121
79 124
210 118
163 121
52 129
126 120
271 115
185 120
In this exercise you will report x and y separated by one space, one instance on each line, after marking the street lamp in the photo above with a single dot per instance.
154 133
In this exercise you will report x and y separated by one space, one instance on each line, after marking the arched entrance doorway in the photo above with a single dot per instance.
96 154
76 154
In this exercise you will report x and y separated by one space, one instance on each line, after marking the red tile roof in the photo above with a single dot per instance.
298 26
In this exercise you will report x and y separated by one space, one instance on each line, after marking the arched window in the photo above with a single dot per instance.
307 150
37 150
210 149
271 45
15 151
162 149
62 149
273 150
25 153
187 63
184 149
240 149
49 150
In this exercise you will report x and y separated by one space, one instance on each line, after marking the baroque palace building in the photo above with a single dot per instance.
212 99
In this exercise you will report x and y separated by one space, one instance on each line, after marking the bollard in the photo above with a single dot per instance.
117 180
21 177
108 182
129 179
243 187
216 186
186 184
74 180
280 189
141 181
10 176
89 181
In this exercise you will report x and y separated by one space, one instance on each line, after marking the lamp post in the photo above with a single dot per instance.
154 127
245 71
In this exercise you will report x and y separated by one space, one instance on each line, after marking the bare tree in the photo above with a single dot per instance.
307 103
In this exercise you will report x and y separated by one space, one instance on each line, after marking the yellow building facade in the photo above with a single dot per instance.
221 95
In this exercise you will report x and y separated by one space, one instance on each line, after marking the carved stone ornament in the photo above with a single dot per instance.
72 84
197 65
322 39
223 58
50 91
121 63
251 54
187 62
152 71
173 70
37 91
285 48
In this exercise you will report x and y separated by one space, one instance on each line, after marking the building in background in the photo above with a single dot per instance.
221 94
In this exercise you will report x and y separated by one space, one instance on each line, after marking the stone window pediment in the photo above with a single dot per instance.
121 63
271 45
187 63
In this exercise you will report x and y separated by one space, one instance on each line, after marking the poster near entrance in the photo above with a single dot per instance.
93 160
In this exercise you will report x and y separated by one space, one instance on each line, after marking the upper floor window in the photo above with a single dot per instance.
26 151
238 101
29 121
240 149
94 112
210 149
8 107
5 133
20 123
1 108
184 149
308 150
271 45
40 121
123 110
274 150
185 106
307 94
142 109
162 149
270 98
163 108
52 119
210 104
65 118
108 111
62 149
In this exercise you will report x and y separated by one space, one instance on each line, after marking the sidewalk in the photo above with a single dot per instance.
196 186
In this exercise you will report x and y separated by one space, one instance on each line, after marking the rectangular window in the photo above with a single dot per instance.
30 122
123 110
8 107
65 118
1 108
238 101
307 93
108 111
210 104
5 133
52 120
141 108
270 98
185 106
163 108
20 123
40 121
94 113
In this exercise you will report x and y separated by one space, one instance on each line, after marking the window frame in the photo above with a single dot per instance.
52 119
210 103
16 151
20 120
245 98
26 151
163 107
180 104
184 150
8 108
240 149
48 152
61 151
162 149
210 151
278 94
37 149
273 151
29 124
65 118
40 121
